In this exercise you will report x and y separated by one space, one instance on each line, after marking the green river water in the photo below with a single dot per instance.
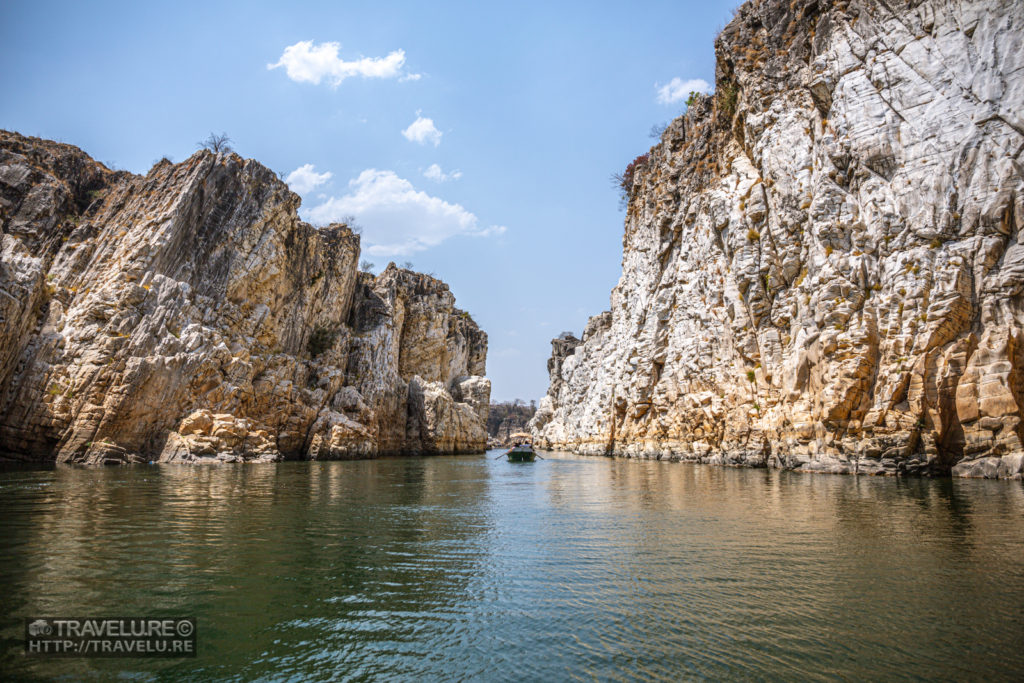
469 568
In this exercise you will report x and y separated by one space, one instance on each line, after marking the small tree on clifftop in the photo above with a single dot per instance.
217 144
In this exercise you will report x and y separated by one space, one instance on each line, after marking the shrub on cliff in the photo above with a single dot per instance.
728 95
624 181
323 338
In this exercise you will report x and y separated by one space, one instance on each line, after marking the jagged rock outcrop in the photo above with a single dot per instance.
822 263
189 315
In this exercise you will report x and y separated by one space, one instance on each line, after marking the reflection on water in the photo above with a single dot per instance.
568 567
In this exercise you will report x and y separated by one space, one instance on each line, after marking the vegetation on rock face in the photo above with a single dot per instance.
624 181
728 94
322 339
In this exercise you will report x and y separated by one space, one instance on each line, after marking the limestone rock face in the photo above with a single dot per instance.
189 315
822 266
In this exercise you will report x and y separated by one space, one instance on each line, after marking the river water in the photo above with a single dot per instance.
469 568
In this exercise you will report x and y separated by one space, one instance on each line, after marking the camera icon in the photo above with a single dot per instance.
40 627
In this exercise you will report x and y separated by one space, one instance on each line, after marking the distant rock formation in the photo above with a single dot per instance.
506 419
189 315
822 263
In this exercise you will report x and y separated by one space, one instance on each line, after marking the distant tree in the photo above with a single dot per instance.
350 223
407 265
367 266
218 144
657 129
691 98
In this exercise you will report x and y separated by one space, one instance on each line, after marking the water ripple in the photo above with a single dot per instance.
566 569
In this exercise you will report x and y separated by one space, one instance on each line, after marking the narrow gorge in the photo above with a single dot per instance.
822 264
188 315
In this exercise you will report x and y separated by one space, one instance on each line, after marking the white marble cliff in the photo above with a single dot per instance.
822 264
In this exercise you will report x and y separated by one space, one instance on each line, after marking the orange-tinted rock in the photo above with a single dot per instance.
189 315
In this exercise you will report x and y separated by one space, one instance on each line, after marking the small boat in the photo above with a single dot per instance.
521 453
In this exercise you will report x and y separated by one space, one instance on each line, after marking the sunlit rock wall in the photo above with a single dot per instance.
189 315
821 262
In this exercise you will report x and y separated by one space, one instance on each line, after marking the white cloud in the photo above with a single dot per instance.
435 173
492 231
399 220
677 89
306 62
422 130
304 178
410 77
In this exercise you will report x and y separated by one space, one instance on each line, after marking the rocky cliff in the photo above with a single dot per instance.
508 418
189 315
822 262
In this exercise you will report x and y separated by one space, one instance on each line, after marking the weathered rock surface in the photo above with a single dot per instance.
189 315
822 263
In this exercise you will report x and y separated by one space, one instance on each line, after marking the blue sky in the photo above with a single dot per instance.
525 108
